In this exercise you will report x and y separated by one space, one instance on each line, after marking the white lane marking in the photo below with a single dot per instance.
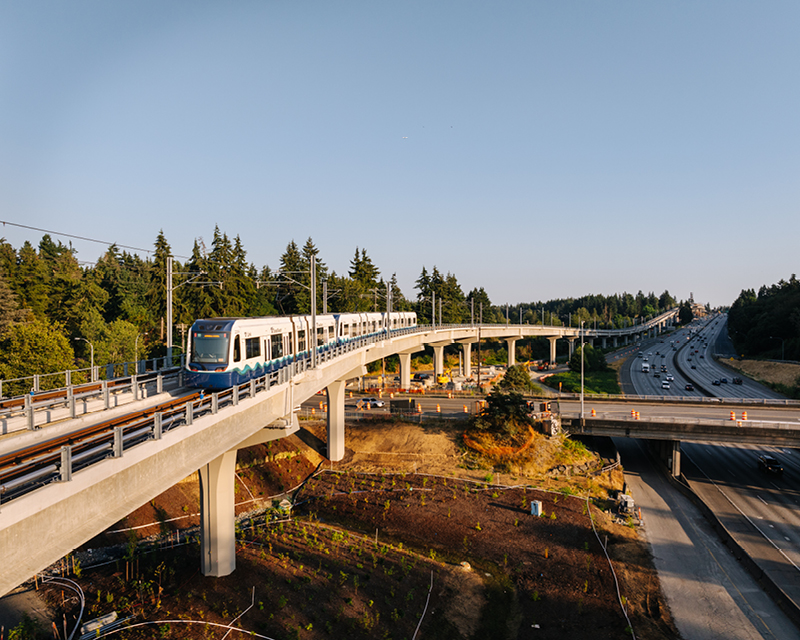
762 499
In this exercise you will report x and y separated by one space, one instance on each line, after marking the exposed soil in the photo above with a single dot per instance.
409 530
771 372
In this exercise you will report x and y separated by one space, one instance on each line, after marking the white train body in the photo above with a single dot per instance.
223 352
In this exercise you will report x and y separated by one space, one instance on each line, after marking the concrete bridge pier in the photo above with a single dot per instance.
405 370
466 345
552 340
604 342
669 453
512 351
335 393
438 357
571 346
217 533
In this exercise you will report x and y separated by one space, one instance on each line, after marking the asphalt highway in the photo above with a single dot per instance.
762 511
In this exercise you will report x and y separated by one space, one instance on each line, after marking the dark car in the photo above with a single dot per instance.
769 464
656 375
737 381
694 366
716 383
689 387
723 380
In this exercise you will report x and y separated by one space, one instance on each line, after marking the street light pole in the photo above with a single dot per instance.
91 346
313 262
581 369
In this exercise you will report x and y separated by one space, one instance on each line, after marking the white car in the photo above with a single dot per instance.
665 385
371 403
670 377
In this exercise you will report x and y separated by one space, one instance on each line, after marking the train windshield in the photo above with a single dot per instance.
210 348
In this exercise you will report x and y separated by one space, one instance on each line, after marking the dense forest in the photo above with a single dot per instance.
55 312
767 324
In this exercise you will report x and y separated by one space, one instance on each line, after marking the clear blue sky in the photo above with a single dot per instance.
538 149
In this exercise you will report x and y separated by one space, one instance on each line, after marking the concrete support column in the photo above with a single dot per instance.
512 351
552 340
467 359
217 534
438 360
675 466
405 370
605 342
571 346
335 391
615 341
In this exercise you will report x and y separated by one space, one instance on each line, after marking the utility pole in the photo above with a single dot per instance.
314 310
480 322
169 311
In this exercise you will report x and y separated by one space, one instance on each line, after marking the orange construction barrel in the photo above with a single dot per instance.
744 415
594 413
733 415
438 409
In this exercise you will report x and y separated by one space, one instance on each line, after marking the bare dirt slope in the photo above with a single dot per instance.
433 505
773 372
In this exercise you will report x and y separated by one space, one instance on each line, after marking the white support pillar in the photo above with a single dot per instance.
335 391
605 342
438 360
217 533
615 341
571 346
405 370
552 340
512 351
467 346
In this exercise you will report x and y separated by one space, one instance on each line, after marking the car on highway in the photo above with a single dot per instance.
689 387
737 381
723 380
716 383
370 403
702 356
769 464
657 374
670 377
665 385
694 366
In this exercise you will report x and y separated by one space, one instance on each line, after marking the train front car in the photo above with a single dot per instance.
209 353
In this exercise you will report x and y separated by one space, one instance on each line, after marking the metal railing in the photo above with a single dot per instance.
52 381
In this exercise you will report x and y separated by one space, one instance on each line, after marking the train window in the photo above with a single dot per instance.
301 340
252 348
345 330
277 346
237 349
209 348
320 336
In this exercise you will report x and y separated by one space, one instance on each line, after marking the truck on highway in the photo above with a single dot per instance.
645 367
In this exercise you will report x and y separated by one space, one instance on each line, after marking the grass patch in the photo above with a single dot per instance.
595 383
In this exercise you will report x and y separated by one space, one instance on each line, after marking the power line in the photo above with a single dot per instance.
69 235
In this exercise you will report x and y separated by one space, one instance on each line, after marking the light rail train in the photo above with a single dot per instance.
223 352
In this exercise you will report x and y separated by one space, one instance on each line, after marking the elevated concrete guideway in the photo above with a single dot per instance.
43 526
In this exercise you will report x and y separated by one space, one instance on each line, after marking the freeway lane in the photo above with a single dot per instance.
710 594
761 512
